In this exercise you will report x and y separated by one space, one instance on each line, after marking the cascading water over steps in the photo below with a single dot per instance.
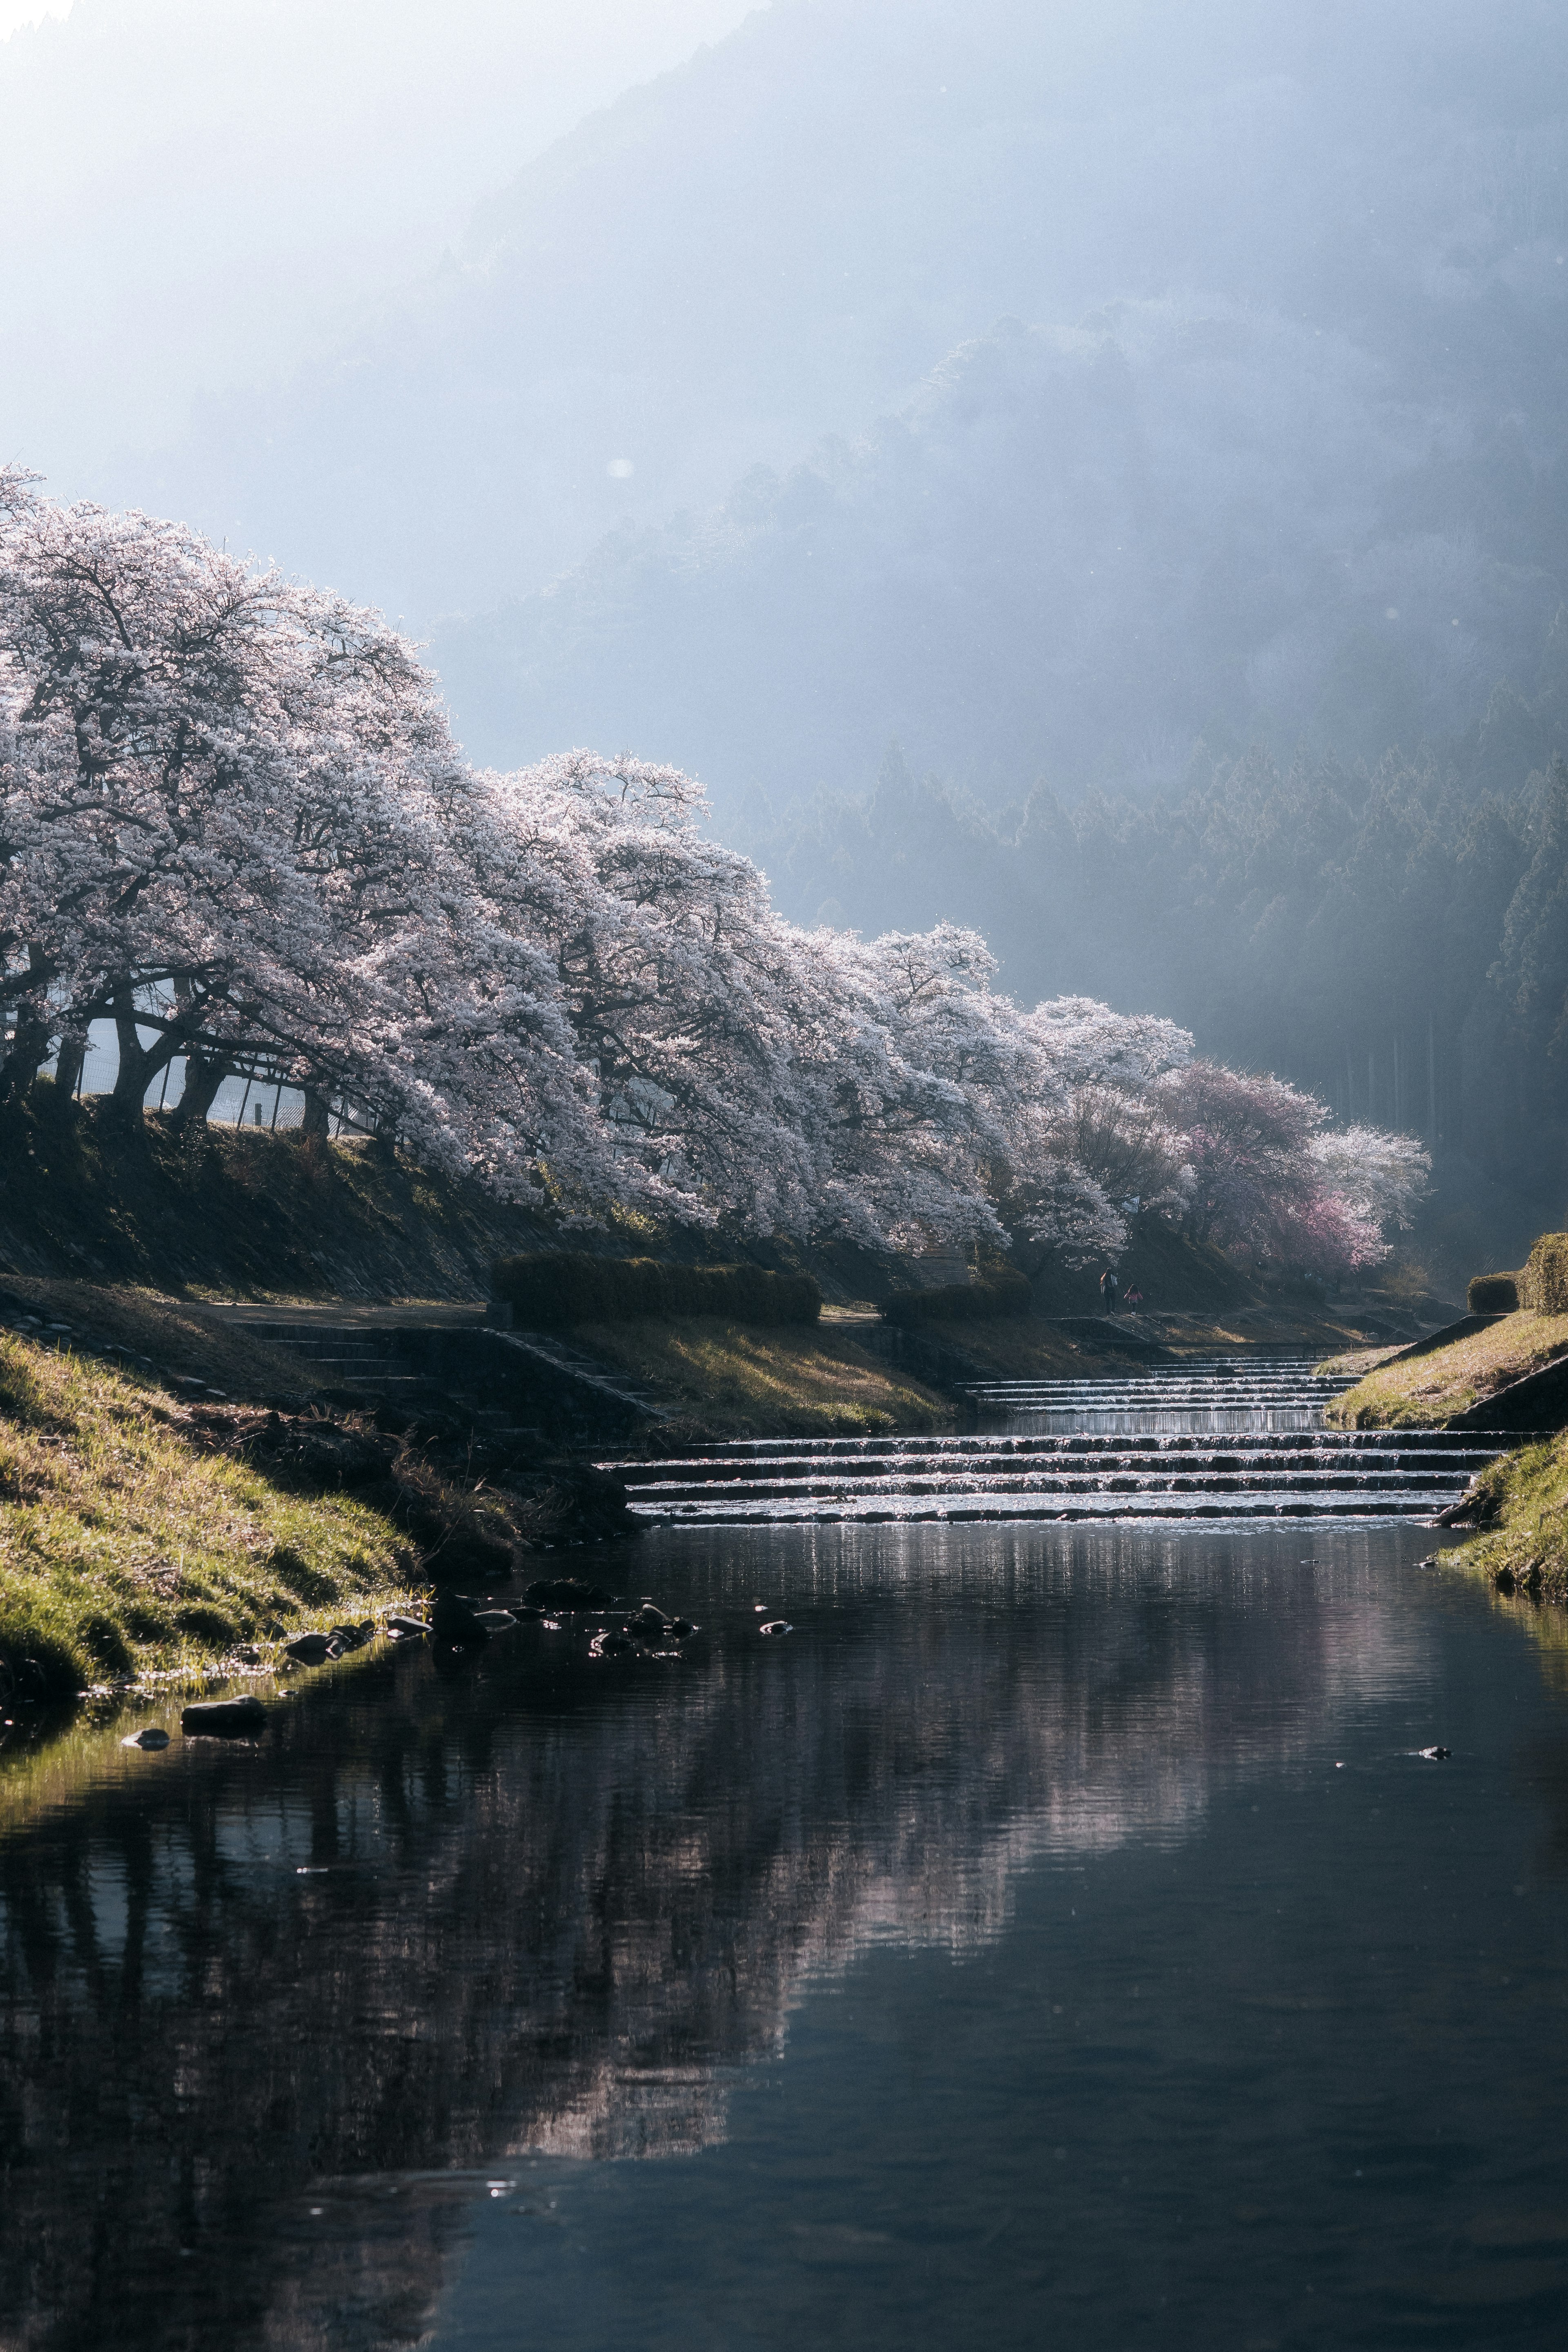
1223 1393
1231 1439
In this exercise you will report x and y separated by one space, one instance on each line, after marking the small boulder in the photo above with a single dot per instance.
1435 1755
454 1620
310 1650
495 1620
776 1625
406 1629
354 1637
224 1719
150 1736
613 1645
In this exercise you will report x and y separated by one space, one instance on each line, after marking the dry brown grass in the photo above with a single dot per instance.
776 1383
1433 1388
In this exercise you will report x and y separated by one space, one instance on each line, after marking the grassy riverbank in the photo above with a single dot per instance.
1430 1389
736 1382
133 1542
239 1212
1521 1506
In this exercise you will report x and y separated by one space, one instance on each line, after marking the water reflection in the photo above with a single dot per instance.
550 1907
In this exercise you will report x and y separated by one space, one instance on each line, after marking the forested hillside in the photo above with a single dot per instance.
1397 939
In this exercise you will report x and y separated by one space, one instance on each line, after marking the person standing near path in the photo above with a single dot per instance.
1108 1290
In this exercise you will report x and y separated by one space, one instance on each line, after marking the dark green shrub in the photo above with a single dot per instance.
1492 1293
551 1289
1544 1285
961 1302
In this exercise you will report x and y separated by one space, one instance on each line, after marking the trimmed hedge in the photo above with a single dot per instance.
553 1287
1492 1293
961 1302
1544 1285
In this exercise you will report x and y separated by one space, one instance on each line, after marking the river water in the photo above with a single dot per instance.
1055 1937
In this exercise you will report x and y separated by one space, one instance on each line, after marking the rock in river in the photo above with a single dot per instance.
151 1735
224 1719
453 1618
310 1650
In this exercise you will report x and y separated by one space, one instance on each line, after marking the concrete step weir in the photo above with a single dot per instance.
1051 1457
1233 1393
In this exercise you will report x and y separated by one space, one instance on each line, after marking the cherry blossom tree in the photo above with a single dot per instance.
234 822
226 814
1379 1176
1270 1181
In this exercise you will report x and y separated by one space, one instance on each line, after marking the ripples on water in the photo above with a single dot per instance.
1055 1937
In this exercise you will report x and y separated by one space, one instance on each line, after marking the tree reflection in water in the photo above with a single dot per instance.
541 1904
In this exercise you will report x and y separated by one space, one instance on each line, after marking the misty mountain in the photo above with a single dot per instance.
1396 941
784 237
705 437
1311 488
787 235
1072 553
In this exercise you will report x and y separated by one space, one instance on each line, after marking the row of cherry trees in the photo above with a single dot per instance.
235 823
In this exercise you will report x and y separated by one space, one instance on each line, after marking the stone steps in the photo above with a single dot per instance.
516 1386
1035 1469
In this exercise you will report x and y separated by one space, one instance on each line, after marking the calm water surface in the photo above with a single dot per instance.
1055 1938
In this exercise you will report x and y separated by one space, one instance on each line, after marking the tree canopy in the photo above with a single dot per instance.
234 822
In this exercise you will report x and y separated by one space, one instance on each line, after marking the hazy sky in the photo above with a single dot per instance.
29 11
199 193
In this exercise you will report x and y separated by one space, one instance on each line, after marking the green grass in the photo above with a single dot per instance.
1431 1389
129 1548
1525 1498
778 1384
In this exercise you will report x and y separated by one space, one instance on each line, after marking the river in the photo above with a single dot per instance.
1057 1936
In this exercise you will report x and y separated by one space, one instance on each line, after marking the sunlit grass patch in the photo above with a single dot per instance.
176 1337
1433 1388
125 1549
776 1382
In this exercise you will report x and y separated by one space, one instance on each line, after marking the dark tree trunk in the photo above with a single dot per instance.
203 1078
69 1063
317 1116
139 1064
